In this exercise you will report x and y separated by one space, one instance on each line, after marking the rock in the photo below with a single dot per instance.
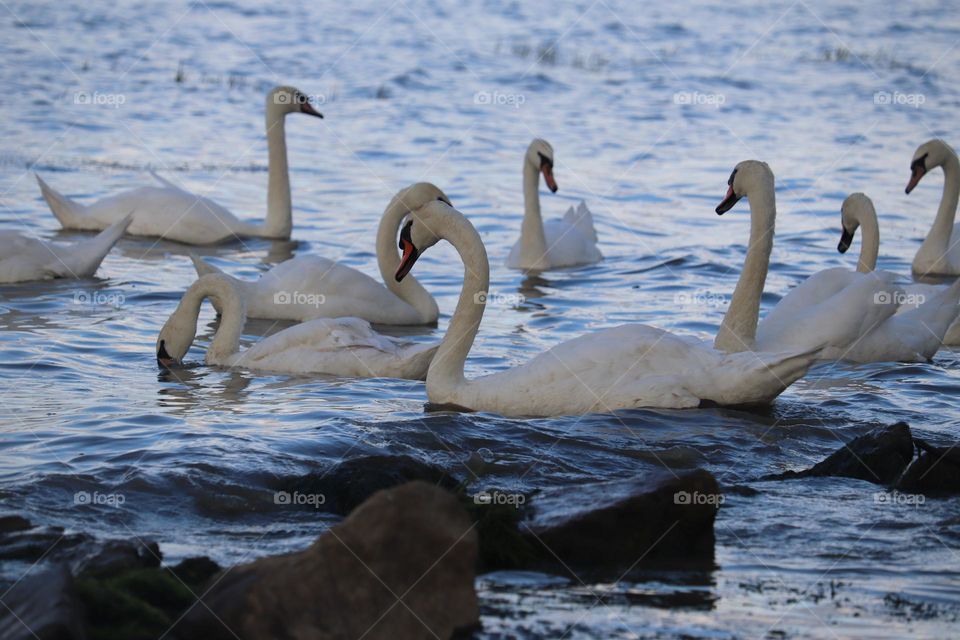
11 523
42 605
115 556
402 563
49 543
621 523
936 471
195 570
347 485
879 456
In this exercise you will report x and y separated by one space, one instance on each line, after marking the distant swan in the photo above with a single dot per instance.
858 212
556 243
620 368
307 287
23 258
850 313
171 213
939 255
340 346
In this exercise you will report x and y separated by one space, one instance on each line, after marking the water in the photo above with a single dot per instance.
453 94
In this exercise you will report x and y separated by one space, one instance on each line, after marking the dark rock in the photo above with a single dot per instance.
400 566
116 556
196 570
347 485
623 523
13 523
936 471
42 605
879 456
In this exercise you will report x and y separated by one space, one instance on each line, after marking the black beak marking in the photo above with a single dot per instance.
846 239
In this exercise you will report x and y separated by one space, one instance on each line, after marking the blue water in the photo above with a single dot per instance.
452 93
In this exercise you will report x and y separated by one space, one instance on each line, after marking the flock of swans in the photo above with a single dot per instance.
860 315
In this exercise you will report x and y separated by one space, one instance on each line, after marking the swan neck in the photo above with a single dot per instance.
942 227
279 222
870 247
446 371
738 331
388 257
233 314
533 241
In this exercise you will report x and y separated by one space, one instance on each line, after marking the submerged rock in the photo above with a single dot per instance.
115 556
879 456
661 516
400 566
43 605
936 471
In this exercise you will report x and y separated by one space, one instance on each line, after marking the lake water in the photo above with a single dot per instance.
648 108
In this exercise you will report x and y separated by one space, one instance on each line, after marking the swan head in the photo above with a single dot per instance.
747 176
932 153
420 193
284 100
852 213
421 232
540 156
175 339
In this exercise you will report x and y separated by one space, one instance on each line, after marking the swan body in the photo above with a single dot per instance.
566 242
843 311
335 346
172 213
940 252
308 287
619 368
24 259
921 302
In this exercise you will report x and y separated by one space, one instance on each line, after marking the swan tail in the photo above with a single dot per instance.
203 267
582 219
84 258
765 374
164 181
70 214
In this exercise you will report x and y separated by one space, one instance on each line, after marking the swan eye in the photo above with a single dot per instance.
405 235
920 163
545 161
730 181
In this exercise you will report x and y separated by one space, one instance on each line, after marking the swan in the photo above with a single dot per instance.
848 312
858 212
619 368
23 258
557 243
171 213
939 255
307 287
336 346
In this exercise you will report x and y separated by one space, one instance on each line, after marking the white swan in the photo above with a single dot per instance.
308 287
620 368
555 243
939 255
171 213
23 258
858 212
336 346
851 313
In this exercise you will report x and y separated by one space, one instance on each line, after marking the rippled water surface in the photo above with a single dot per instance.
648 107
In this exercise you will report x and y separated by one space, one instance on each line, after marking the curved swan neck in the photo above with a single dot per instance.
446 370
226 298
279 222
870 242
388 256
739 329
942 228
533 241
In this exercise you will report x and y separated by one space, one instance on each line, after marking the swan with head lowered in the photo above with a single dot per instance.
850 314
334 346
939 255
858 212
568 242
23 258
619 368
308 287
172 213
